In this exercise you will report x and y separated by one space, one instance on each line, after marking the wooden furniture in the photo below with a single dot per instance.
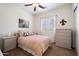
63 38
1 53
8 43
0 43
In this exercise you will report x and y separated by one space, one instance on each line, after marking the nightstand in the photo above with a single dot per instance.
8 43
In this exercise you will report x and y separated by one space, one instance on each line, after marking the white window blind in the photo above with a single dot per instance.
48 23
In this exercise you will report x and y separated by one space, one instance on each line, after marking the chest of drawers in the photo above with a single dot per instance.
64 38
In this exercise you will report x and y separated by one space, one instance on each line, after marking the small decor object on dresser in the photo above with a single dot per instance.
23 23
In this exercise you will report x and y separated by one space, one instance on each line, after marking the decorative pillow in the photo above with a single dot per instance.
31 33
25 34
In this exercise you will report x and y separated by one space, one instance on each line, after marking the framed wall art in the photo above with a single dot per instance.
23 23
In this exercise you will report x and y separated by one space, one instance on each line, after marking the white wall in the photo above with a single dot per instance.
9 15
77 29
63 12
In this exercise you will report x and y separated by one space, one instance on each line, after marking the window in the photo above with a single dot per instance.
48 23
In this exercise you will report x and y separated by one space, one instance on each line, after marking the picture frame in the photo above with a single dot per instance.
23 23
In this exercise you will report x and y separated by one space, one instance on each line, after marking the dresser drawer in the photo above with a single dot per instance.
63 31
63 38
63 44
63 34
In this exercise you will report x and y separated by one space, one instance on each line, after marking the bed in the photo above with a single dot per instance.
34 44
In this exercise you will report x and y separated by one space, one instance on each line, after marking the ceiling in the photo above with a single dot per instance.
48 6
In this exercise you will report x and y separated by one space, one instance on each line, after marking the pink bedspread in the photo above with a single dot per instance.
37 43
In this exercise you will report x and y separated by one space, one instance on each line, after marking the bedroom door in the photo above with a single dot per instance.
48 26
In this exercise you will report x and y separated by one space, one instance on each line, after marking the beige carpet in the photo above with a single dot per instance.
51 51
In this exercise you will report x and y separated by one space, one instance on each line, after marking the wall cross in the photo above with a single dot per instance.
63 22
